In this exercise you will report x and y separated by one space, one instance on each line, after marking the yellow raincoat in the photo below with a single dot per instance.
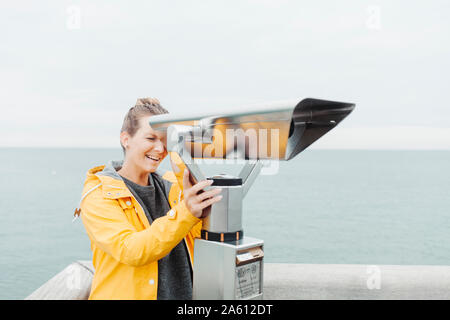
125 246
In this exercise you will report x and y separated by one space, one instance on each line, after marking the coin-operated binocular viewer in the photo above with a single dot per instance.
227 264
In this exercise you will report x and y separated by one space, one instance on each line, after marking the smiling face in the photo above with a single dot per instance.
146 148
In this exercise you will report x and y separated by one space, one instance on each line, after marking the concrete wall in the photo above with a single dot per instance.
298 281
328 281
72 283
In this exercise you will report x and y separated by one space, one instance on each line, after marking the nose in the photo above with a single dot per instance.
159 146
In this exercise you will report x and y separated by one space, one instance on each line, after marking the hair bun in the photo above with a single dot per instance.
147 102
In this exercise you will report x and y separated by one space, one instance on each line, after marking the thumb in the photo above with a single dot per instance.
186 181
176 162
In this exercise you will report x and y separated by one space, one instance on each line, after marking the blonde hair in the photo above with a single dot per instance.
143 107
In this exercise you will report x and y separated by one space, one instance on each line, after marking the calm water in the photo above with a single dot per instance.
364 207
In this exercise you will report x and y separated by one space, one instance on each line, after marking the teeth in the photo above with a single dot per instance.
155 159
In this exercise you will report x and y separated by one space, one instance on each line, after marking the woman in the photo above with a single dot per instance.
142 225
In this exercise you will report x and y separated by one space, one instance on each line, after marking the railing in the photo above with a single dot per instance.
297 281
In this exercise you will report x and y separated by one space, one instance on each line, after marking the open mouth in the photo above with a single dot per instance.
153 158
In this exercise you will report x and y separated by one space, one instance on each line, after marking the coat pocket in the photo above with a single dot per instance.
130 212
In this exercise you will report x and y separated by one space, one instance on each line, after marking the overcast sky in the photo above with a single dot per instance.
71 69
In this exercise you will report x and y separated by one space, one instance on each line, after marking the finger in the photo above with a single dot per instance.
209 194
175 168
186 182
200 185
176 162
209 202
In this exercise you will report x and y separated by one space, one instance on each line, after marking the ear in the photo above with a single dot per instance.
124 137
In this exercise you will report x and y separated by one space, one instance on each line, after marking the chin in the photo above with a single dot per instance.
151 168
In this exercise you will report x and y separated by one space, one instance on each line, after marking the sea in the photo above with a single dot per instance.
367 207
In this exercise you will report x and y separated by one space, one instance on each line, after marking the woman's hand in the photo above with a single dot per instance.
195 198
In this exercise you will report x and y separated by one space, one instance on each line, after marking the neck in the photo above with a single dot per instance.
130 172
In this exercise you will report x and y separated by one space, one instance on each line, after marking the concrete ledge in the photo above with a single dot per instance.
342 281
297 281
72 283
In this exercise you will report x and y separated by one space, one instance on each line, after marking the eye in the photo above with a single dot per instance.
151 139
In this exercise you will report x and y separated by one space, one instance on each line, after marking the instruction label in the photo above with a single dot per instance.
248 280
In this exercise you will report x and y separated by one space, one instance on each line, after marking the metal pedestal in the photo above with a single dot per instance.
228 270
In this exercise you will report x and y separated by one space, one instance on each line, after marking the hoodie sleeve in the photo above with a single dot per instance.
109 229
